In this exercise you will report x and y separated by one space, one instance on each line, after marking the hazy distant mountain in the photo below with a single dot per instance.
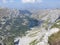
25 12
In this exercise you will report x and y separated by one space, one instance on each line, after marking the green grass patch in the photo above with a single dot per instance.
34 42
56 25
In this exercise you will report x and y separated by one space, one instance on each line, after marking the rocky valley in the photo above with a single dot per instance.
29 27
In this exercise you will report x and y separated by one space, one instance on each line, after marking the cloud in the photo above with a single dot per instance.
4 1
28 1
7 1
31 1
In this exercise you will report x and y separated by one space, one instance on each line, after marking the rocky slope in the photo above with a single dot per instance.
41 35
33 27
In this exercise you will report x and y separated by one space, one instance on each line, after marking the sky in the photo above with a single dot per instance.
30 4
